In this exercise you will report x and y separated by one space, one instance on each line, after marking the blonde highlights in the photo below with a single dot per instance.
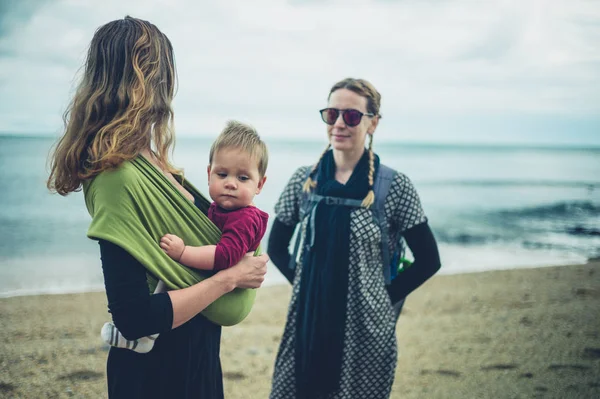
370 198
121 107
244 137
310 184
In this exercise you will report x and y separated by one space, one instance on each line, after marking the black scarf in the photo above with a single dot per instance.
321 312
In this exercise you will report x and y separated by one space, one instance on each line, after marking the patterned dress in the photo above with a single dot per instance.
370 353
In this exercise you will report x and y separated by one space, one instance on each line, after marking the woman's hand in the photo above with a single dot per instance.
188 302
248 273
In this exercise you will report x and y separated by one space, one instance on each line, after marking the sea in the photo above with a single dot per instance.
490 206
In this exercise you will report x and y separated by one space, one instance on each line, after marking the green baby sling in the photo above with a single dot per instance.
135 205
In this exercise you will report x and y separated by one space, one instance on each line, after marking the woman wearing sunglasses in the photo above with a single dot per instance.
339 340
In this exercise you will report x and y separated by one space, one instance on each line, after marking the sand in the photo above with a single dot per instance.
504 334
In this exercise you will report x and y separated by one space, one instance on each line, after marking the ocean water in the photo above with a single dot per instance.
490 207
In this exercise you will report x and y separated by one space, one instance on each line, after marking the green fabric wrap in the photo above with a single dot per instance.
134 206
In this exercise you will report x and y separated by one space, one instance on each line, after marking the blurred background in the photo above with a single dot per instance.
491 108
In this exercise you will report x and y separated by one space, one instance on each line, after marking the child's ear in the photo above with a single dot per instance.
208 172
261 183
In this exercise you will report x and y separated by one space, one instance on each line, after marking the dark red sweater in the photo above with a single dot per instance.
242 230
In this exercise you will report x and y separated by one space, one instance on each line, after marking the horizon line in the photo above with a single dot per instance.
413 143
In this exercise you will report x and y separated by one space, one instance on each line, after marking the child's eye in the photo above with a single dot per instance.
243 178
222 175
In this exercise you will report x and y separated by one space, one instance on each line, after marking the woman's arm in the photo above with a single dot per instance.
278 249
287 209
136 313
422 243
188 302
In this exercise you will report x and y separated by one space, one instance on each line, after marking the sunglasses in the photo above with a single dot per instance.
351 117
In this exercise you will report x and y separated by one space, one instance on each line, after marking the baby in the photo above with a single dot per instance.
236 173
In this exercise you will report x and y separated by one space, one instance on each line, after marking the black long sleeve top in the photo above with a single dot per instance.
135 312
184 362
419 239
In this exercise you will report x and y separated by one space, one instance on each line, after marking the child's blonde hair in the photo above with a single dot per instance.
242 136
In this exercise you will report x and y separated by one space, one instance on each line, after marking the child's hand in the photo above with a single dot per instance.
173 246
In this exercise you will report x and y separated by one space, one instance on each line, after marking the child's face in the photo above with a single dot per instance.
233 178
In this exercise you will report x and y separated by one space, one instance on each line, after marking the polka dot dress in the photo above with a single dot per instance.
370 353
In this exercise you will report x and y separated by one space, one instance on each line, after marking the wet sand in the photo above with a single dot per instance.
504 334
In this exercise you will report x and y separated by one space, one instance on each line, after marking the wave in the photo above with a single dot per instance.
579 210
591 185
570 226
584 231
463 238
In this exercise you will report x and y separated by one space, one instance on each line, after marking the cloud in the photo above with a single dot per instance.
16 13
272 62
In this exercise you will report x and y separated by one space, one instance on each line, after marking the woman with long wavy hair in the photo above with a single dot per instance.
118 134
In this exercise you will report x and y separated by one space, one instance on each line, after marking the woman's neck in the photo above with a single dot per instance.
149 155
345 162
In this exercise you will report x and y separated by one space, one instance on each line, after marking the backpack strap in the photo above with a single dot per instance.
304 209
383 182
308 205
308 208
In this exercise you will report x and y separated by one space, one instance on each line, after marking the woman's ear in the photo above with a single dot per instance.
373 125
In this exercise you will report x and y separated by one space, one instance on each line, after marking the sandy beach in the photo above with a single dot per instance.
502 334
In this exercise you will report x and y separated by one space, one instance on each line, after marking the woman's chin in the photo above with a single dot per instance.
342 145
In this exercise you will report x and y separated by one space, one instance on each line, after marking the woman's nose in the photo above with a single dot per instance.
339 122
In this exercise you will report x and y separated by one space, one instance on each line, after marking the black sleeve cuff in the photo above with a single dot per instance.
422 243
278 248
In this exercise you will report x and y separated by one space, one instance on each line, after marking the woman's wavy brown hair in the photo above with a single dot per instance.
122 105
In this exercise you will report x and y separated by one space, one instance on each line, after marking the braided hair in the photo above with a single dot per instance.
365 89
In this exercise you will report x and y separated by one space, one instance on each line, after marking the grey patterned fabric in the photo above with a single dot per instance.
370 352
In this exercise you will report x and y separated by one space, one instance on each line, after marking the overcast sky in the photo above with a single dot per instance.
448 71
